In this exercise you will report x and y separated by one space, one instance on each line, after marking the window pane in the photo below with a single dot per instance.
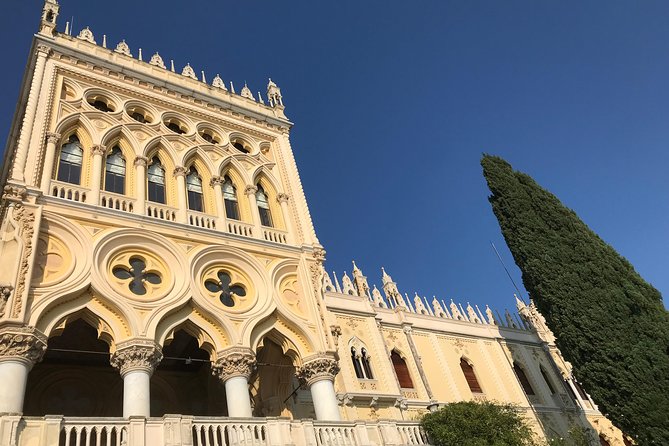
69 164
231 209
115 172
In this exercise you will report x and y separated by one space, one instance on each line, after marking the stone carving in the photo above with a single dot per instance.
282 198
22 343
123 48
335 330
237 361
26 219
52 138
98 149
14 193
141 161
246 93
319 255
87 35
318 369
377 298
218 83
189 72
157 61
216 180
180 171
135 355
43 50
472 314
5 293
250 190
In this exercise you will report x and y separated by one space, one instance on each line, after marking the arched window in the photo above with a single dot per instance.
115 172
524 382
548 380
156 180
263 207
366 366
470 376
194 189
356 364
401 370
69 164
239 146
230 199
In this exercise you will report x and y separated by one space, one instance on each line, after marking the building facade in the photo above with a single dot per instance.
162 281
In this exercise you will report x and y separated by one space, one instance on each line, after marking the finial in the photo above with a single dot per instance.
189 72
104 41
260 99
123 48
140 54
218 83
232 87
355 267
67 28
172 66
204 79
157 61
246 92
87 35
386 277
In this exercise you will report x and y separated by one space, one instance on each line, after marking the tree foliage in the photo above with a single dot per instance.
610 324
477 424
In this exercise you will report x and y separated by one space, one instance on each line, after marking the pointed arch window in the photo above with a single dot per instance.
357 367
544 374
115 171
230 199
71 158
524 382
366 366
263 207
194 190
156 181
470 376
401 370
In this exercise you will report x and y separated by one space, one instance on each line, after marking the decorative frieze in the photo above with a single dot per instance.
237 361
134 355
317 369
22 343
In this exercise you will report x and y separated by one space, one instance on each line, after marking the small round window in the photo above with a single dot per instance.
101 103
176 126
239 145
224 289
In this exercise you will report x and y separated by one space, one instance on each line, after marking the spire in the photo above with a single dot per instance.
360 282
47 26
274 94
385 276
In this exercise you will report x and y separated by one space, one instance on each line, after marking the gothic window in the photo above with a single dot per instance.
524 381
230 199
401 370
71 158
175 128
156 181
137 116
239 146
263 207
356 364
115 172
194 188
101 105
548 380
470 376
366 366
224 288
137 274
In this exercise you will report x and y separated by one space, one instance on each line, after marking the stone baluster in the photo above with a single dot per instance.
250 192
285 212
234 367
319 372
136 360
140 172
49 160
217 183
29 115
180 175
97 151
21 347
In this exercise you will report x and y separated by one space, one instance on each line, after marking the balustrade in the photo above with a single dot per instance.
116 201
230 433
89 433
201 220
274 235
411 433
68 191
240 228
161 212
336 435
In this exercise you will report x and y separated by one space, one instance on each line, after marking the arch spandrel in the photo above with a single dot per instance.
290 334
292 291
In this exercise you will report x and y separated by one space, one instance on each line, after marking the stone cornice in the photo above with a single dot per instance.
236 361
22 343
138 354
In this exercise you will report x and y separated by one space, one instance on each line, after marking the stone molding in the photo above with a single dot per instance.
52 137
318 368
282 198
23 343
141 161
42 49
250 190
236 361
98 149
179 171
216 181
135 355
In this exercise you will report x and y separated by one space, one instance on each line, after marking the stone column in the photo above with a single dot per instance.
20 348
49 160
250 192
217 182
234 367
136 360
21 154
140 185
285 212
419 365
319 372
98 150
180 175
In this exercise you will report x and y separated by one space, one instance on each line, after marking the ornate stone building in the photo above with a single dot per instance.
162 282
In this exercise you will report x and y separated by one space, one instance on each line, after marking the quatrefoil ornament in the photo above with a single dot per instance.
136 275
224 288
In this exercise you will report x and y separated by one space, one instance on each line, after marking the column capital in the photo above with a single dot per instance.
141 161
179 171
43 50
282 198
235 361
318 368
52 137
98 149
23 343
136 354
216 181
250 190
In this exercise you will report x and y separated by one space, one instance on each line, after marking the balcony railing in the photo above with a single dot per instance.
115 201
177 430
274 235
161 212
68 191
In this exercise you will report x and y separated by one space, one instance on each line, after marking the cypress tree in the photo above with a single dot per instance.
610 324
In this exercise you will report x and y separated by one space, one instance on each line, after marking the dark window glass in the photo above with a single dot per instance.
226 289
69 164
115 172
470 376
230 199
101 105
356 363
239 146
401 370
175 128
156 179
365 364
207 137
548 381
194 189
580 390
263 207
136 272
137 116
524 382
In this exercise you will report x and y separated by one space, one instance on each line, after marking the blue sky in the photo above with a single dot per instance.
394 103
